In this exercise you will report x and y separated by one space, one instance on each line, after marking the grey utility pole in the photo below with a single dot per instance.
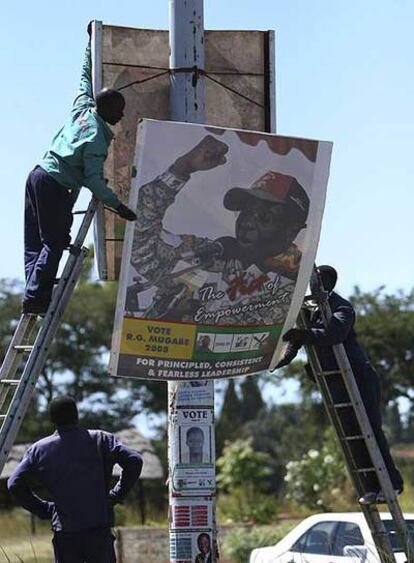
191 449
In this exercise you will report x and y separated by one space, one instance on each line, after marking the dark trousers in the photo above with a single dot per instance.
370 389
92 546
47 222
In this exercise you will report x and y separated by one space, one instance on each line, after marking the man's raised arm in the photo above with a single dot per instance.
84 97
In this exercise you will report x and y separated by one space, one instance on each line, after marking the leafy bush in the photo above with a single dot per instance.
242 480
238 544
245 505
241 464
317 479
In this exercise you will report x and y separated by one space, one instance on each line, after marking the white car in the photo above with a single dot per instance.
331 538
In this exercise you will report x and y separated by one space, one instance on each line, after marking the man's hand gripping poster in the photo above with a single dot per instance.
218 261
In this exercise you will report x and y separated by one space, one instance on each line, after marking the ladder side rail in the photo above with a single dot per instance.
374 451
34 366
371 514
37 358
370 440
332 415
14 357
21 335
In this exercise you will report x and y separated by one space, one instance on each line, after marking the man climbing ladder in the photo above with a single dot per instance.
75 159
340 329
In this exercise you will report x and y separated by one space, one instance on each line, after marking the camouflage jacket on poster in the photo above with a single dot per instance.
178 275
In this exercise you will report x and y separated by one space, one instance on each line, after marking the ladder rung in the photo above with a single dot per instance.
23 347
2 416
329 372
356 437
80 212
9 381
342 405
364 470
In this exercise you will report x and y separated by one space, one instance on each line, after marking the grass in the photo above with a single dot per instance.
33 549
18 544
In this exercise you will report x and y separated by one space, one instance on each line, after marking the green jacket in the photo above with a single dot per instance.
78 151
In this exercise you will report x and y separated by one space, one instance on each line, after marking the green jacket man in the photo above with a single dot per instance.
76 158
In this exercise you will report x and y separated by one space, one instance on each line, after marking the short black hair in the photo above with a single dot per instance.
107 97
329 276
63 410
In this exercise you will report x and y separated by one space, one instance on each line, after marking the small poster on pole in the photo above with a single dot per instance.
218 260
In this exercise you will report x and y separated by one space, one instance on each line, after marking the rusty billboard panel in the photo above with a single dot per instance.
239 94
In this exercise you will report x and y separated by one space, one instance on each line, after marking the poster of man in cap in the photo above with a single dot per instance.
218 260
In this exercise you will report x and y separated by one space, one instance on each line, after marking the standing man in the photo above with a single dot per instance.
75 466
340 330
75 159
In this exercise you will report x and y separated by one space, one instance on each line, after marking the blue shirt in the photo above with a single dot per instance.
339 330
75 465
78 151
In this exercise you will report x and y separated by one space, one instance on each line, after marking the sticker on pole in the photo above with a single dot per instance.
218 260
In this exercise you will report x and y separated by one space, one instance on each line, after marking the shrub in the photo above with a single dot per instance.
242 480
245 505
317 479
238 544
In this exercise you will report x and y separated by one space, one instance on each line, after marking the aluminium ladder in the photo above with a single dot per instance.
347 414
20 372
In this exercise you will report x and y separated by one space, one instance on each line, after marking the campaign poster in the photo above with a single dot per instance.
191 533
192 547
194 393
217 263
192 440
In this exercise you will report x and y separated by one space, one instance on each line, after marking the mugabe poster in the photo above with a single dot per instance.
218 260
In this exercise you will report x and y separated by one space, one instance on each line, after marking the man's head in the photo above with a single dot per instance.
195 442
272 213
63 411
110 105
329 277
203 542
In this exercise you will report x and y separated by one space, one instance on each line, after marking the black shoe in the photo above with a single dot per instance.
381 497
376 497
33 308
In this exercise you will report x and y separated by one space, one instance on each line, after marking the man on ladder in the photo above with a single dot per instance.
75 159
340 330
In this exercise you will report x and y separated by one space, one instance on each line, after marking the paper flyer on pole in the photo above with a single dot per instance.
218 260
192 525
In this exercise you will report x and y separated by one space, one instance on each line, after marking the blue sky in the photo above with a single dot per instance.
344 73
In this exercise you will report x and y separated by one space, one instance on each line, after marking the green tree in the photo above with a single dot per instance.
285 432
10 305
77 362
251 398
242 481
393 425
385 326
230 421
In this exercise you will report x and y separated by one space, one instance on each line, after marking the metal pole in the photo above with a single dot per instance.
191 476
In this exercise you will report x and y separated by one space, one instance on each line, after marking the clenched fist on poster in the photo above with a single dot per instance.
207 154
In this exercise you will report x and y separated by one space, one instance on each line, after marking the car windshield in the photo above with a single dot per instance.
394 537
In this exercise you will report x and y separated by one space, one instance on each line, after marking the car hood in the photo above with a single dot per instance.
265 554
